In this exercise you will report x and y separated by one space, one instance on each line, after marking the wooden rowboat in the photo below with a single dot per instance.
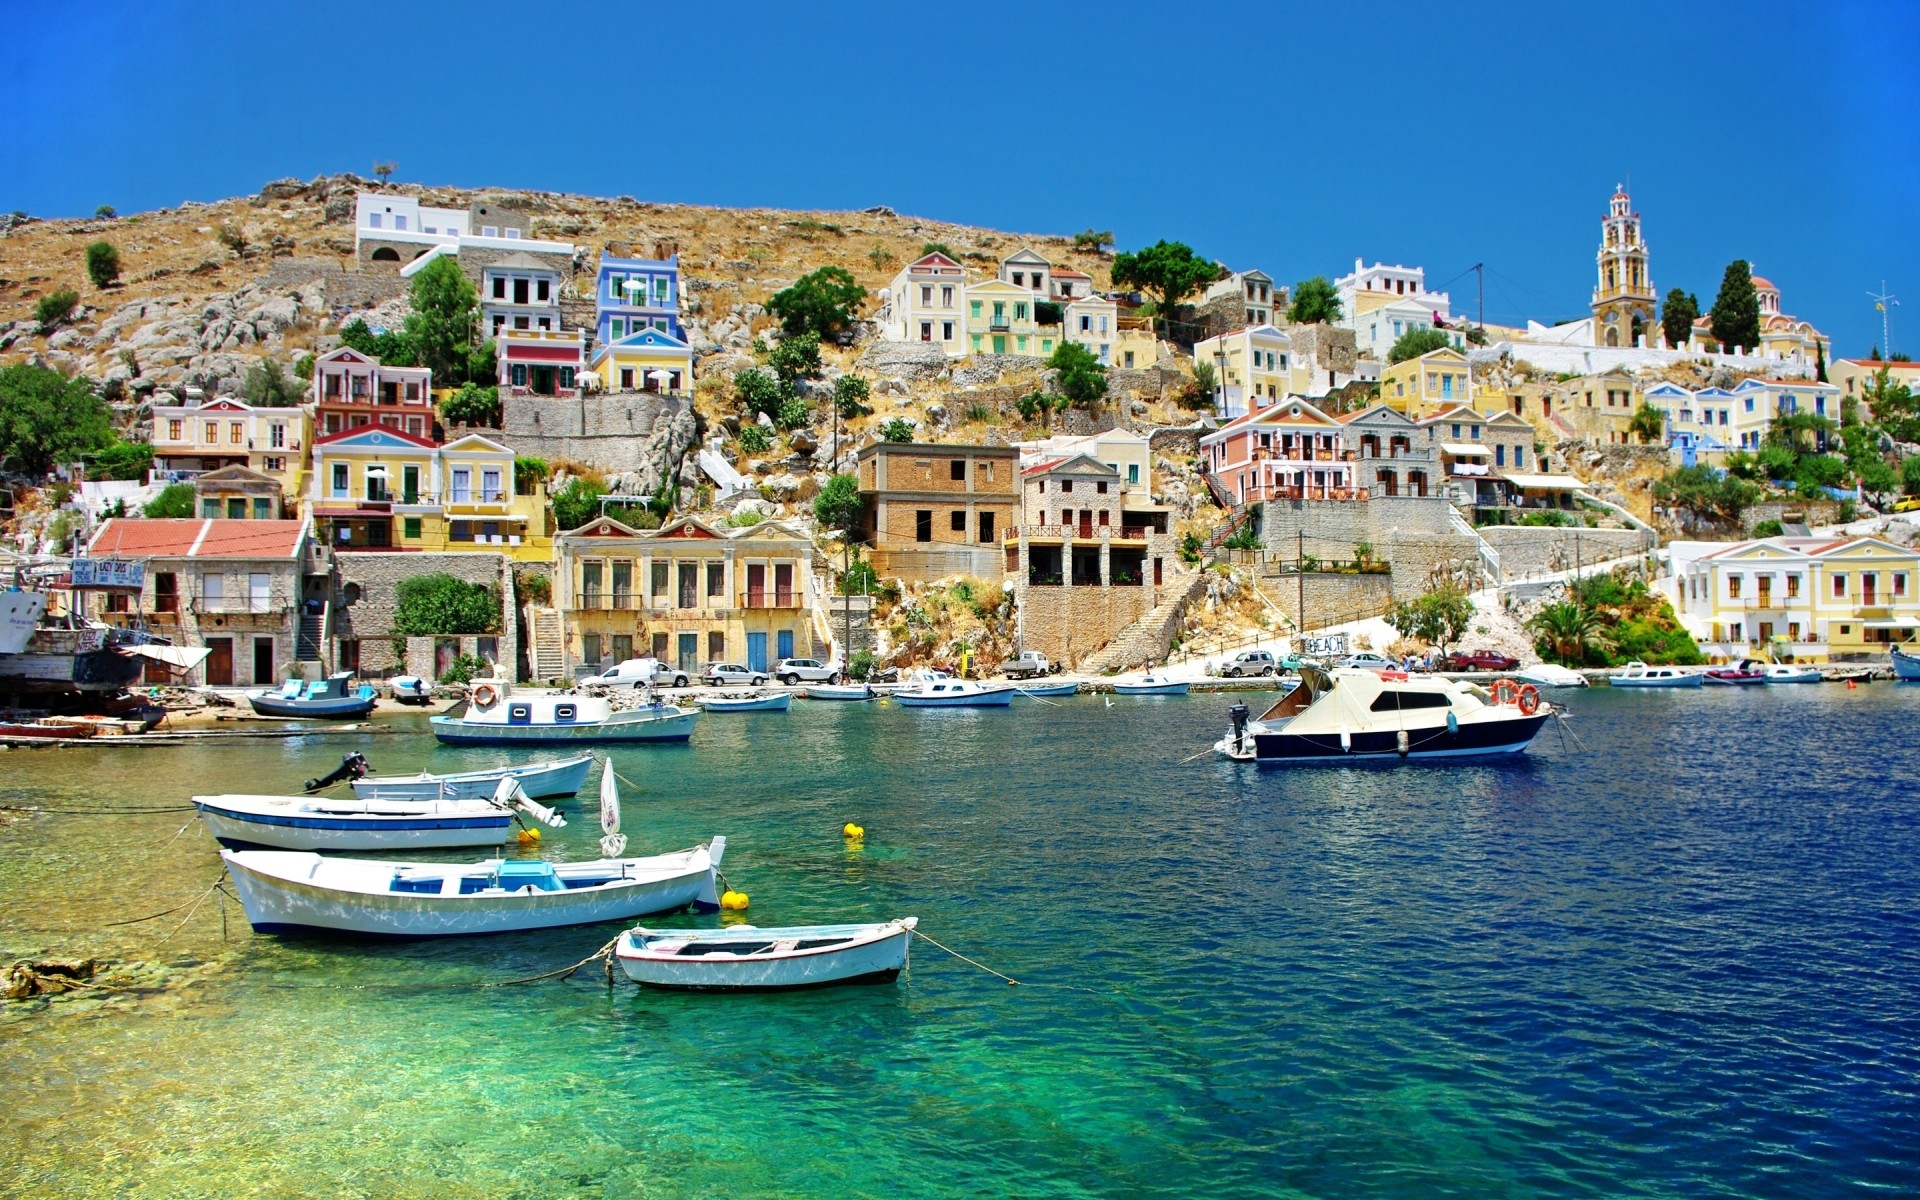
742 958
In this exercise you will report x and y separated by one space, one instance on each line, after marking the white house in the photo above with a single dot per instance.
1094 322
926 303
1255 291
1380 303
519 292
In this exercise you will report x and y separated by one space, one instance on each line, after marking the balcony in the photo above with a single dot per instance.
228 606
1868 609
999 324
773 599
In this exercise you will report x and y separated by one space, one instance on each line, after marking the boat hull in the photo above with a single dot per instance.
763 704
876 961
276 901
1906 667
342 708
1051 689
311 831
1798 677
1473 739
1150 689
1675 681
459 731
1731 679
562 777
831 691
999 698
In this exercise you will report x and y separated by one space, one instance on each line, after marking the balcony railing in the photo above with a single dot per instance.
999 325
773 599
234 605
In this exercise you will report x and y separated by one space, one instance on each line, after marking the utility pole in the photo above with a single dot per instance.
1884 300
1300 572
1480 273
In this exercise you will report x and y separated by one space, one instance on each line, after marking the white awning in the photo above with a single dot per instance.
1546 481
1895 623
180 658
1457 449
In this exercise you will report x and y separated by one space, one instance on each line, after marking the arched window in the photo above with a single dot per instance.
386 254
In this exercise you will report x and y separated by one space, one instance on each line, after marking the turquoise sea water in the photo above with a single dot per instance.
1681 962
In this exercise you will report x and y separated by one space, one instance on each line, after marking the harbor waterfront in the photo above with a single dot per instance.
1647 963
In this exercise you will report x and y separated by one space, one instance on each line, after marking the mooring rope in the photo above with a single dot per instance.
96 812
176 908
1011 981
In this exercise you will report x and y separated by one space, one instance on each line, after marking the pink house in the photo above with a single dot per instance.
1287 451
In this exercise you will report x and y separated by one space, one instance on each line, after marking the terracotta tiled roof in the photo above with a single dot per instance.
129 537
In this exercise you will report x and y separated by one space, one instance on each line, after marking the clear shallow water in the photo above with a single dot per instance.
1680 963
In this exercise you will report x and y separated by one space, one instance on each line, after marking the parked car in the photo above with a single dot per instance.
639 672
1367 660
1250 662
1480 660
792 670
719 674
1030 663
1910 504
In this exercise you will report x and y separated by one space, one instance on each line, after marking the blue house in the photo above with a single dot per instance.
636 294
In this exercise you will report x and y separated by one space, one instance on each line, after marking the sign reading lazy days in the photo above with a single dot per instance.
108 573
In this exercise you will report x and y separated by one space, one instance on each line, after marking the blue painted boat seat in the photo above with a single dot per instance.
538 874
290 690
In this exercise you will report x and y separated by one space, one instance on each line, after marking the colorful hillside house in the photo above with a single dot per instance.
635 294
648 360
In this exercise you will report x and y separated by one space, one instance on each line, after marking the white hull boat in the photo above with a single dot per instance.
742 958
1152 685
497 715
549 777
955 693
287 892
839 691
747 704
1350 713
1049 689
1787 673
320 823
1640 675
1550 675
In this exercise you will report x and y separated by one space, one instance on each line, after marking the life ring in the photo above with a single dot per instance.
485 694
1529 700
1506 692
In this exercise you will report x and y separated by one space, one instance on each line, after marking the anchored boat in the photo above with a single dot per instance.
1152 685
935 689
1789 673
1640 675
742 704
1905 666
497 714
324 823
1745 673
1359 714
540 780
332 698
745 959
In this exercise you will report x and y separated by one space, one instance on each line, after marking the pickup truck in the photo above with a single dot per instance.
639 672
1029 664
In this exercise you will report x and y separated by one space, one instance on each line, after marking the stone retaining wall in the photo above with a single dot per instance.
366 593
1536 550
624 433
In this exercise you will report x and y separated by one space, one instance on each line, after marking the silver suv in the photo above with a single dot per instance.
1249 662
794 670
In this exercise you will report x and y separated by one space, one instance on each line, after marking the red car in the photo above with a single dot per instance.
1481 660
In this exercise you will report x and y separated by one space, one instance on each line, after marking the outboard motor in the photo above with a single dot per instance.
352 766
1238 714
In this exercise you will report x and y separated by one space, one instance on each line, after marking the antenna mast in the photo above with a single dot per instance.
1884 300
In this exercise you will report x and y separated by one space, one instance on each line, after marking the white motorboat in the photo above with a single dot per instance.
934 690
411 689
497 714
356 823
1151 684
287 892
1637 674
772 702
1551 675
839 691
743 958
1349 713
1789 673
540 780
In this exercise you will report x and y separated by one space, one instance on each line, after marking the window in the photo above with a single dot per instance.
209 507
716 580
460 531
986 527
212 432
1899 583
957 469
339 479
1840 585
923 525
659 589
946 331
1733 587
1066 485
1019 310
517 376
499 287
400 221
373 220
926 331
410 529
173 431
958 520
946 297
1133 473
1499 456
236 432
590 648
540 287
511 233
276 435
926 294
973 309
489 231
1793 586
1100 487
262 508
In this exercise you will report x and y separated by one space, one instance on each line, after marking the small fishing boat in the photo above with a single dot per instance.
934 690
746 704
356 823
1790 673
496 714
1151 684
333 698
1906 667
839 691
49 728
1746 672
1639 675
1551 675
1353 713
1069 688
288 892
742 958
411 689
540 780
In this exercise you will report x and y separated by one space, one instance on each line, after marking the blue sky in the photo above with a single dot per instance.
1288 137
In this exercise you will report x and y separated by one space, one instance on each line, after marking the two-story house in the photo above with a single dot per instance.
634 294
540 362
926 302
382 489
932 511
351 390
1001 319
1435 380
1251 369
209 435
1093 322
519 292
1480 455
1807 599
1289 450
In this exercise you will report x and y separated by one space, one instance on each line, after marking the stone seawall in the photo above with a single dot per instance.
624 433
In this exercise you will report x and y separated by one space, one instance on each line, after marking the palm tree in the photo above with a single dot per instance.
1570 632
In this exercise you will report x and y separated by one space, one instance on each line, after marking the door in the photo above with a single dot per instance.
689 654
756 652
756 586
166 592
785 641
1156 572
1869 584
263 660
1086 522
220 662
783 587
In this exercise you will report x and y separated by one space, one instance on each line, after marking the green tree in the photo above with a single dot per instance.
1893 405
303 367
1095 241
1677 316
1647 424
430 605
103 264
1704 493
53 309
529 471
46 418
440 327
1910 475
106 212
1315 302
850 395
392 347
821 304
1414 342
1570 633
1820 362
795 359
838 505
1878 480
1439 618
174 501
938 248
793 413
268 387
576 503
897 430
1736 310
472 405
758 392
121 460
1169 271
1078 374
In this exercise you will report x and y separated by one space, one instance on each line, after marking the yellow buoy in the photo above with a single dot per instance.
853 832
733 901
527 837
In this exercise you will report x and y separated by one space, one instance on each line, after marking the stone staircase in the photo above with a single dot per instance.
547 656
311 642
1151 637
1237 516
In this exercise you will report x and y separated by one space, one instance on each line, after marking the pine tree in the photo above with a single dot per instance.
1736 310
1820 362
1677 316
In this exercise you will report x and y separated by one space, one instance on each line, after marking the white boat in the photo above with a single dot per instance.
1350 713
540 780
497 714
20 613
1639 675
1069 688
1788 673
1906 667
1551 675
1151 684
934 690
743 958
324 823
740 704
287 892
839 691
411 689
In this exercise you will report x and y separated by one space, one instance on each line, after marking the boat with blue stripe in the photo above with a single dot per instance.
322 823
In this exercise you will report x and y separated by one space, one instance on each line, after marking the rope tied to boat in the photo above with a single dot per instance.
136 810
605 952
1011 981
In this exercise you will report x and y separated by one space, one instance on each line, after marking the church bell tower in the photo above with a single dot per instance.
1623 300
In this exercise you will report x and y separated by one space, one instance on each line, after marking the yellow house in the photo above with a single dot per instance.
378 488
1000 319
1251 369
206 435
688 593
650 360
1802 598
1420 386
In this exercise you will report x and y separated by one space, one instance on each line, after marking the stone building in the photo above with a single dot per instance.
358 618
936 510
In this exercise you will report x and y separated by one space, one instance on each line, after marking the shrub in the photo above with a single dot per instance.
577 503
746 518
758 391
793 414
821 304
850 395
536 586
123 460
303 367
754 438
472 405
438 603
1551 518
1769 528
527 471
106 212
1078 374
232 237
174 500
268 387
859 579
860 666
462 669
54 308
103 264
897 430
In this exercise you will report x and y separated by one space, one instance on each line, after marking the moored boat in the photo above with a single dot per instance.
1745 672
744 958
324 823
333 698
411 689
1790 673
1070 688
290 892
1349 713
938 691
539 780
1639 675
839 691
747 704
1551 675
49 728
1906 666
497 714
1151 684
